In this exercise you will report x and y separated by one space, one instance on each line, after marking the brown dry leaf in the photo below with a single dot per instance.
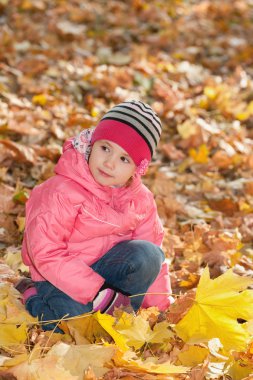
57 131
246 228
181 306
249 161
85 121
8 229
170 151
199 372
89 374
32 66
194 246
216 260
165 92
52 152
221 241
5 375
248 188
190 281
228 206
185 278
6 198
21 152
222 160
193 141
222 247
168 207
23 128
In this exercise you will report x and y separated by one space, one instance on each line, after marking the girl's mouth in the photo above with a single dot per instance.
104 174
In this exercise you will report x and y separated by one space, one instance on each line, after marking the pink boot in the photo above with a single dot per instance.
108 299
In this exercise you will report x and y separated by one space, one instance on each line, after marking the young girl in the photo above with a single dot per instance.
92 235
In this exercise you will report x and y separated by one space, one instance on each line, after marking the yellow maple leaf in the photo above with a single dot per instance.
211 92
217 306
14 319
191 281
40 99
107 322
193 355
240 370
161 333
201 155
85 329
11 334
150 365
11 309
140 333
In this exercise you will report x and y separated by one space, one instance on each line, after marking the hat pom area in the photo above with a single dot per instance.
142 167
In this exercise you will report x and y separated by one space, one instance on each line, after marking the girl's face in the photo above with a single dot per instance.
109 164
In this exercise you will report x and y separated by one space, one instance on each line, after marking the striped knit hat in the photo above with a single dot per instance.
134 126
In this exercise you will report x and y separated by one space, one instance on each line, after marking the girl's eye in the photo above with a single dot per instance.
124 159
105 148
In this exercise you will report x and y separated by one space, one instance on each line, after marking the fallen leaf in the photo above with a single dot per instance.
213 314
226 205
150 365
191 356
107 322
77 359
42 369
40 99
140 332
22 153
86 329
200 155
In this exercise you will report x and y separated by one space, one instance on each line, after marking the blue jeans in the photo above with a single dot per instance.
130 266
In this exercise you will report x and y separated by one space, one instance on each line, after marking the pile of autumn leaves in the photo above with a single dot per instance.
205 334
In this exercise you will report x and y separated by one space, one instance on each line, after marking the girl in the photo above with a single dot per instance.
93 236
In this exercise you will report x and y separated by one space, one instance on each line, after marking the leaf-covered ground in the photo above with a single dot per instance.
63 63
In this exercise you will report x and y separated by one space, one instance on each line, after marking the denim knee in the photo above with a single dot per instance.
148 257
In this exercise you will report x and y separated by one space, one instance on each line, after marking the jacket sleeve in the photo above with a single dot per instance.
47 235
150 229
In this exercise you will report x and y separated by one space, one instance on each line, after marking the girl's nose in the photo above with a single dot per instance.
110 162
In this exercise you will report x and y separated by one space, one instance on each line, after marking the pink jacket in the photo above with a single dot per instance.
72 221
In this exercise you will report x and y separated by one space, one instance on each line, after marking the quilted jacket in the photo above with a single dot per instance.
72 221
